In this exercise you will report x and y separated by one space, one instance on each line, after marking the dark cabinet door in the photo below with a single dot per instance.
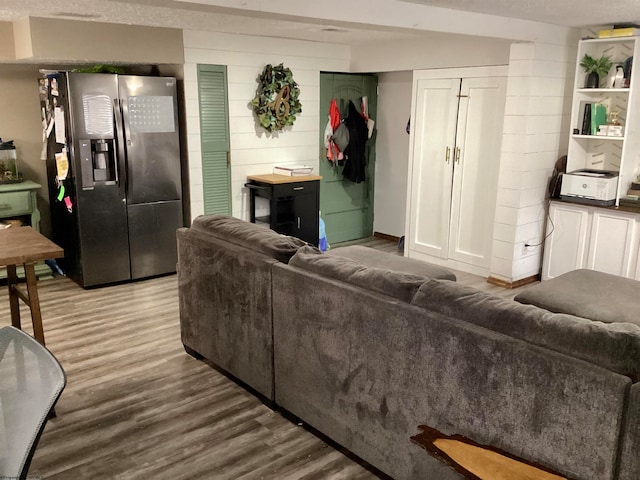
307 215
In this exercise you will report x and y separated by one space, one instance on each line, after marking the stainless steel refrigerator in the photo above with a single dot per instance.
117 209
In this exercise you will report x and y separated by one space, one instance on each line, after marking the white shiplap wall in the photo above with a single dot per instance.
253 150
536 132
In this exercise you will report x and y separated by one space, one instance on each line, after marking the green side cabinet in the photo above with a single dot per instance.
18 200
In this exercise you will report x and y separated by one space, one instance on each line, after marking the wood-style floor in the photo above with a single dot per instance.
136 406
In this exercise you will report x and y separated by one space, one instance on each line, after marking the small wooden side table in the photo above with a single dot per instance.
24 246
294 204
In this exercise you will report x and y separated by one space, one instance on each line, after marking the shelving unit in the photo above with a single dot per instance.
617 153
605 239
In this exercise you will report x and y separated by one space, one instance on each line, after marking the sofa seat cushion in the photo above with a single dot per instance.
400 285
249 235
614 346
375 258
589 294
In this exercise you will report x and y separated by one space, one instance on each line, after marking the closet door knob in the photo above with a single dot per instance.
458 155
447 155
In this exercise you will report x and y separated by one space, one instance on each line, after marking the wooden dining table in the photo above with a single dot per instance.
24 246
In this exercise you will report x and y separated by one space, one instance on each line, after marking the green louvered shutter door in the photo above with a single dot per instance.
214 134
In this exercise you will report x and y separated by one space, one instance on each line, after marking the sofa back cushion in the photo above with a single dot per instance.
375 258
249 235
615 346
402 286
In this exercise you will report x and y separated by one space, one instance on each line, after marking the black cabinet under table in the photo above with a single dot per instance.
294 204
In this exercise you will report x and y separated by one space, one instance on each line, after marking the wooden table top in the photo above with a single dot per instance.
20 245
274 178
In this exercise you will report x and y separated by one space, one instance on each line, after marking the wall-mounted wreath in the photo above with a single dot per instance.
277 98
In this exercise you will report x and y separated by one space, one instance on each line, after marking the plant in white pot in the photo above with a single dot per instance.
595 69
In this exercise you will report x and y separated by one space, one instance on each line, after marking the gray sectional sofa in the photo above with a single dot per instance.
366 347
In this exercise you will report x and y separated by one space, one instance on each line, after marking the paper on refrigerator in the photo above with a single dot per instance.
59 125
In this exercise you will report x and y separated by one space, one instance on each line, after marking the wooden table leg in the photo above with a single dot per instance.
34 302
14 299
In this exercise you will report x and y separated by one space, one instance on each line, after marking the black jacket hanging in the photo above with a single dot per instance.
355 159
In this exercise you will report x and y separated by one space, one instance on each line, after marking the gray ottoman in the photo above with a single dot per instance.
375 258
588 294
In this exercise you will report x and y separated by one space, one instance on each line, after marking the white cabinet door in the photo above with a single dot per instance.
566 248
610 249
433 149
476 165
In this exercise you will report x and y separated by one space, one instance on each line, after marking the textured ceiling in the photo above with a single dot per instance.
570 13
165 13
204 15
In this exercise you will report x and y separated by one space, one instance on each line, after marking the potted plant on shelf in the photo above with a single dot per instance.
595 68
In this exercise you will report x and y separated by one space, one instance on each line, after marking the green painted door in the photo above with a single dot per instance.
214 138
347 208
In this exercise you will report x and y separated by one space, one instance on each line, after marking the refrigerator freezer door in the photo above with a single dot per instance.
149 110
152 231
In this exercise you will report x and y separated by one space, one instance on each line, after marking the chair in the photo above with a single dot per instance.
31 381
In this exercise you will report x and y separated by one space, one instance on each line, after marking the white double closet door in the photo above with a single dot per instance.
455 158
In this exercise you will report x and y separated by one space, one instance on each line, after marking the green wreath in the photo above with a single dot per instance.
277 98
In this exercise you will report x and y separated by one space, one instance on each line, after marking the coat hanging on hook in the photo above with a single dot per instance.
355 164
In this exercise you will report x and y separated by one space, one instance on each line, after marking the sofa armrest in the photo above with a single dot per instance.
225 307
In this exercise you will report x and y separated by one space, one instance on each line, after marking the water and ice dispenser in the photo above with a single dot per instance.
98 162
97 148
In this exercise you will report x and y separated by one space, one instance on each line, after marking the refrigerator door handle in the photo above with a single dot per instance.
117 115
